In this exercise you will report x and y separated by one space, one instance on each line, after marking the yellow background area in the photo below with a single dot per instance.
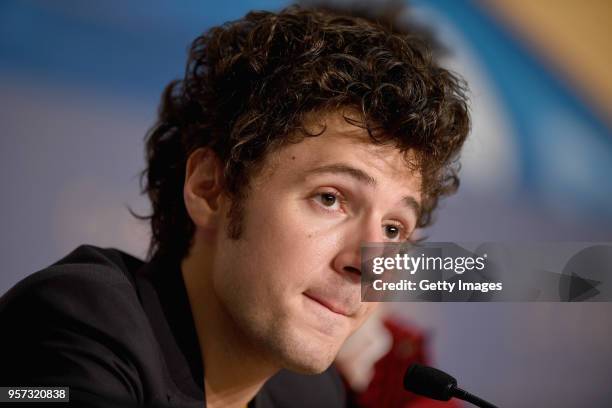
573 35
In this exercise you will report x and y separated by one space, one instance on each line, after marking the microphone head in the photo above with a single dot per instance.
429 382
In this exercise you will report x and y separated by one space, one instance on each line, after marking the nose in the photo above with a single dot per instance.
347 261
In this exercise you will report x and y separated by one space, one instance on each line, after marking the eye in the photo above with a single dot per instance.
393 231
329 200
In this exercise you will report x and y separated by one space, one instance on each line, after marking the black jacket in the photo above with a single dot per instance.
119 332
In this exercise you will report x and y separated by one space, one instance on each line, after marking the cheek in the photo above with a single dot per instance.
258 272
288 242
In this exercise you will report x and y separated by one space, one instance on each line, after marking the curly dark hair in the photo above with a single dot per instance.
250 84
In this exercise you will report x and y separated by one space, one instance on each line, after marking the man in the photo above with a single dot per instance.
293 138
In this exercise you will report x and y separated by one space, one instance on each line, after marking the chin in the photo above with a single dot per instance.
294 343
306 354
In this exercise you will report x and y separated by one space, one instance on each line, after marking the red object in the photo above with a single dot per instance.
386 388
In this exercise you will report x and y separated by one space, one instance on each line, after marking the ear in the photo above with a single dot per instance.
203 188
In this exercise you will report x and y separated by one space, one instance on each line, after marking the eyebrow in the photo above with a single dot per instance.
362 177
346 170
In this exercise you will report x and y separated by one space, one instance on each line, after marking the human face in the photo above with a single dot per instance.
291 282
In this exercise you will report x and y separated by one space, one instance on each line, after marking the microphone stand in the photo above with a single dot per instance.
466 396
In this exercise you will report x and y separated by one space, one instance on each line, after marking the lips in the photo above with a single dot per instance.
332 304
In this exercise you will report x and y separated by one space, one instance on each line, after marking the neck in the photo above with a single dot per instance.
234 370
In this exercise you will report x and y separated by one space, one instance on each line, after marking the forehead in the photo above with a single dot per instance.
344 143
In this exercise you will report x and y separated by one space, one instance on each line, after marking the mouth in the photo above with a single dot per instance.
331 306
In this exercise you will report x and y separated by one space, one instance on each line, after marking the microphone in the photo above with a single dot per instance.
433 383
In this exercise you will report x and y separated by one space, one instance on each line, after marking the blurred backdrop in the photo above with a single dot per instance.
80 83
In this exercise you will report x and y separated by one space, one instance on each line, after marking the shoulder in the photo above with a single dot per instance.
90 283
78 322
85 265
